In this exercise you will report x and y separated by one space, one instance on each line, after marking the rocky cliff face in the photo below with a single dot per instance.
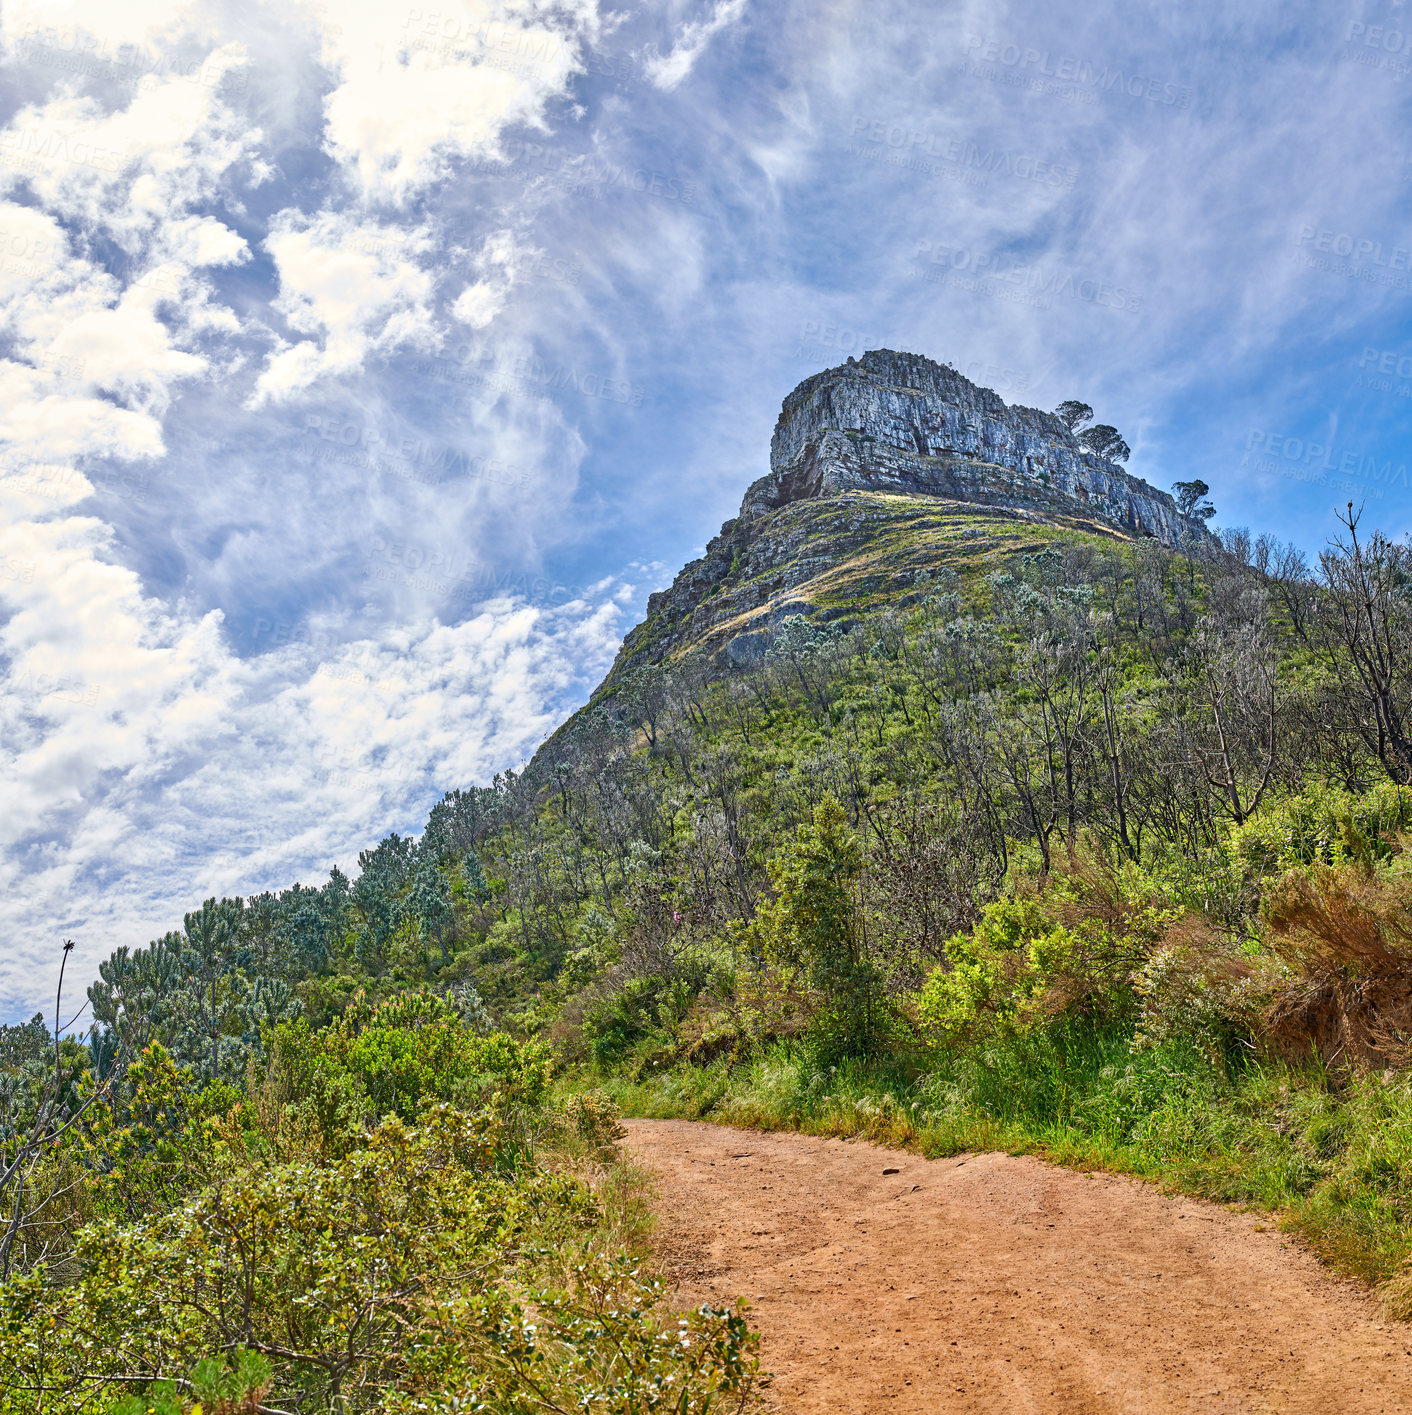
901 423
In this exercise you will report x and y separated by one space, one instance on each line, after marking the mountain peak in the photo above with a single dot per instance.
883 472
902 423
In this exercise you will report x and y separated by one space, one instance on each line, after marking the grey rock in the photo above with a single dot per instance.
789 608
746 650
900 422
887 422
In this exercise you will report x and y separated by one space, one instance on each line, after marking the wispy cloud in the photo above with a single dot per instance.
669 69
356 287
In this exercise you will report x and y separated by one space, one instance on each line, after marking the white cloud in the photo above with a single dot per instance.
145 762
478 304
144 757
357 287
68 24
130 170
38 426
94 364
219 214
127 351
417 88
668 70
499 261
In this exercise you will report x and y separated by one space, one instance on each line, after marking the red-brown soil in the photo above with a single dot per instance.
992 1283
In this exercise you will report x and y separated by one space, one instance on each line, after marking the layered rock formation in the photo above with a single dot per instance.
899 422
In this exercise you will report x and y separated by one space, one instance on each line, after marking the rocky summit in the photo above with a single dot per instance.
883 470
901 423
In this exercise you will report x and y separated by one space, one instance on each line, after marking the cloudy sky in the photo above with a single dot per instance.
365 366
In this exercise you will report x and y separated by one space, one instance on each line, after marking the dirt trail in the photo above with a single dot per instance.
993 1283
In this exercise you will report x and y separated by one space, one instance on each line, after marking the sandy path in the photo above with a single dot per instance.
996 1284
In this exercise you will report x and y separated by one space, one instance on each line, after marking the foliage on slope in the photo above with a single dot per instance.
386 1214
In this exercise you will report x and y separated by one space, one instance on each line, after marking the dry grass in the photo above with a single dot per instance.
580 1140
1397 1298
1345 935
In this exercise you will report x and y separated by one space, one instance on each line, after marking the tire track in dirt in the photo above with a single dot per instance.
989 1283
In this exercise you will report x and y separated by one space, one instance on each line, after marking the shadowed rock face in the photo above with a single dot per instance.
901 423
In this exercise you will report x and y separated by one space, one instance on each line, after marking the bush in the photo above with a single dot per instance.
330 1261
813 923
233 1386
598 1343
614 1023
1344 935
1323 823
1068 945
397 1058
995 975
435 1265
592 1118
1193 990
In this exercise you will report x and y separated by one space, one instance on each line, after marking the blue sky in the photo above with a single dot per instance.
364 367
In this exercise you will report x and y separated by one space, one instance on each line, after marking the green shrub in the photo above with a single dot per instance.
1323 823
410 1271
613 1024
235 1385
598 1343
399 1057
813 924
997 972
1072 946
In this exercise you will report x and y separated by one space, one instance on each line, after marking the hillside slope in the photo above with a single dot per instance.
956 808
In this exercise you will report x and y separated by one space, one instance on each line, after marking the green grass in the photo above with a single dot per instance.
1333 1162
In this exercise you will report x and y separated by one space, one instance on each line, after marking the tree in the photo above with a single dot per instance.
1190 501
310 925
814 922
374 898
1110 682
806 647
1237 543
937 864
1105 441
1073 414
31 1127
464 818
136 997
260 932
477 885
1230 676
215 986
644 698
427 905
1363 627
1288 573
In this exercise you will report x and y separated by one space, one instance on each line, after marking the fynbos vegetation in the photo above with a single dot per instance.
384 1213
